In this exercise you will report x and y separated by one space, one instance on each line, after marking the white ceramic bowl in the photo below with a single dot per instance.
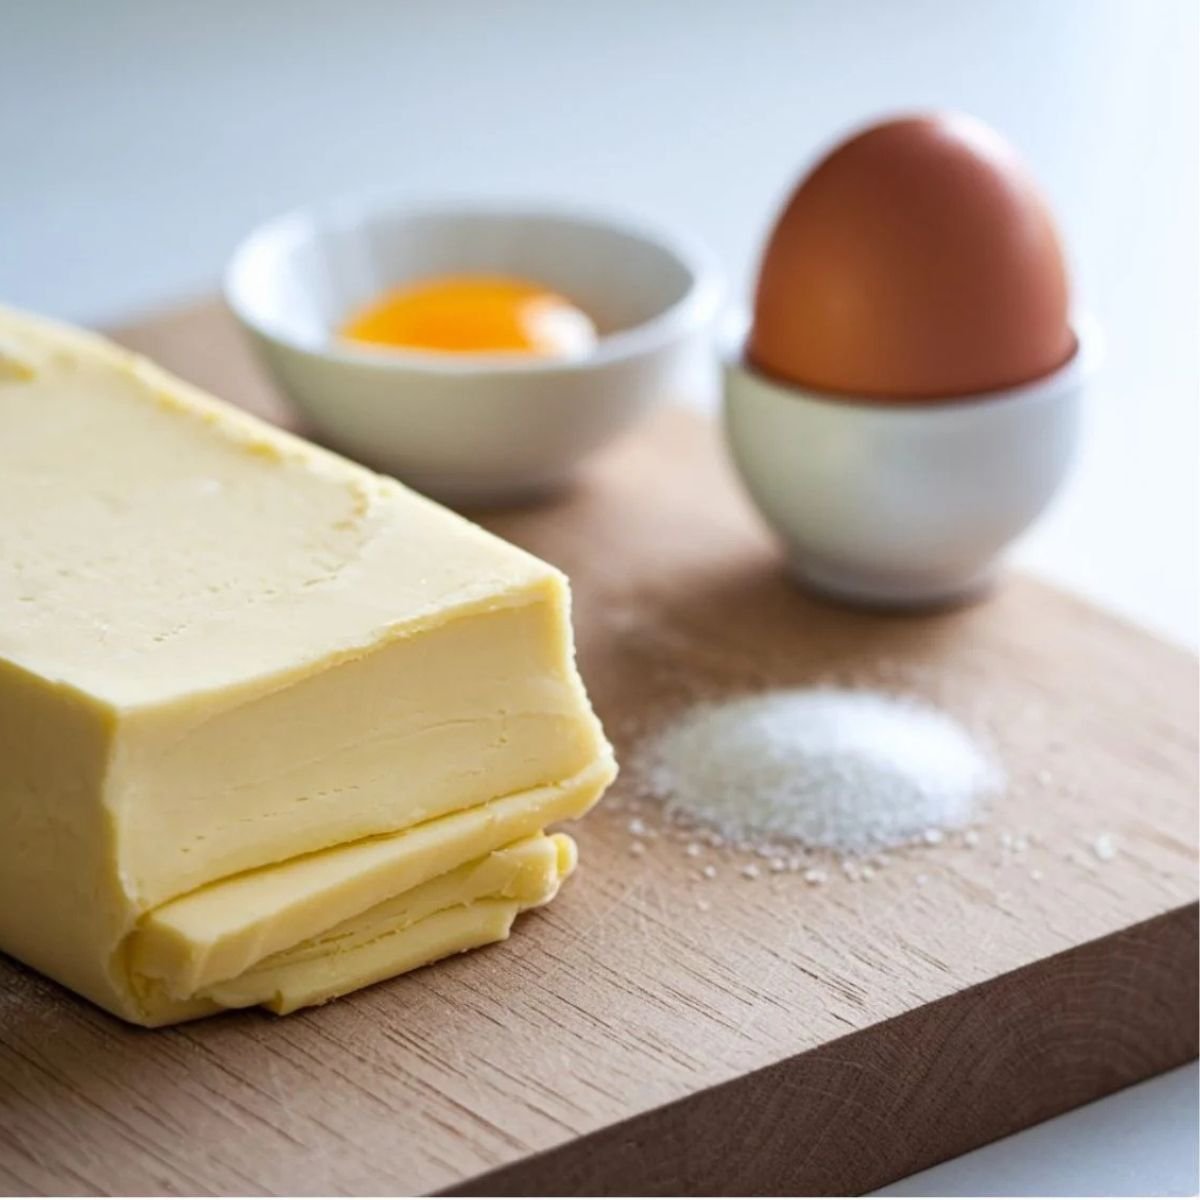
902 505
470 429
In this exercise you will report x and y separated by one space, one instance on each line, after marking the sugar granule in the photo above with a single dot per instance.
846 770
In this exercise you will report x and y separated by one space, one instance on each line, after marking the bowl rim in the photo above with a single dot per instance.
697 307
1085 360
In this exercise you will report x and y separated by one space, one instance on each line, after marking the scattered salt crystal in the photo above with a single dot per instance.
637 848
933 837
709 872
1044 777
637 827
777 865
1006 840
868 872
703 905
815 875
1104 847
693 850
971 838
848 770
750 871
922 880
1035 875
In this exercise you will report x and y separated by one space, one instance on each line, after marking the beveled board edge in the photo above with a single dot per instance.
907 1093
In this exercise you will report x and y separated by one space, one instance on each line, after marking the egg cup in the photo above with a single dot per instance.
902 504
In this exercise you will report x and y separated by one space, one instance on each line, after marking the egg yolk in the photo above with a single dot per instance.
475 315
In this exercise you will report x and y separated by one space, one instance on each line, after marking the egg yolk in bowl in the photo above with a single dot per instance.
475 314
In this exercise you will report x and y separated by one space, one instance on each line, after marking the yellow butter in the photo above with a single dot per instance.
223 648
445 933
221 930
468 907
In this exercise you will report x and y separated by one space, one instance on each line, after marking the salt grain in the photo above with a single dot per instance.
815 875
1104 847
750 871
709 872
847 770
637 849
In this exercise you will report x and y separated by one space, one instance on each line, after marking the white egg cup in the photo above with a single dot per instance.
903 505
471 429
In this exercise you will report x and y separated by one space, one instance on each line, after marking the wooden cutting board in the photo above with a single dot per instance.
654 1031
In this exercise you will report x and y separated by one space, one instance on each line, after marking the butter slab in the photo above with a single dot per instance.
223 648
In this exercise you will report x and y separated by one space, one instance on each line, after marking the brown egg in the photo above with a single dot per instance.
918 260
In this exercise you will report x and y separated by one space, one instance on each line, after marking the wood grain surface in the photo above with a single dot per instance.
654 1031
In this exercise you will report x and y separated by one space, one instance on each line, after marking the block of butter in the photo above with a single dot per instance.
272 727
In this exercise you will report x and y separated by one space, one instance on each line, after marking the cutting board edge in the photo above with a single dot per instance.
694 1142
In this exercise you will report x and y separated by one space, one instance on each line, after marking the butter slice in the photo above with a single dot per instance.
221 930
464 909
223 649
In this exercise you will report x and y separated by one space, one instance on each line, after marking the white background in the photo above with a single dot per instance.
139 139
